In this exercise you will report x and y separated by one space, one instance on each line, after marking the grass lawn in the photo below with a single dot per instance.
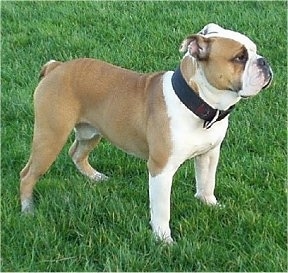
80 226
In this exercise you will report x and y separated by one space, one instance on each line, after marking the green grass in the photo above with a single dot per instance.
80 226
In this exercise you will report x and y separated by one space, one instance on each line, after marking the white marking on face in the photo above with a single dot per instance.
253 78
214 30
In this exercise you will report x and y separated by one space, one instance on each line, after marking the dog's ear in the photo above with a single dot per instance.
197 45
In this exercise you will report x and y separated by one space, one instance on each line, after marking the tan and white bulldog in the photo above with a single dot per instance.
164 117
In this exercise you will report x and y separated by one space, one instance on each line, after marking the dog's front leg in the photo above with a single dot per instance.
159 195
205 168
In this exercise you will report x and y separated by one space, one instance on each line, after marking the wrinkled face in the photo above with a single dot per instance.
229 60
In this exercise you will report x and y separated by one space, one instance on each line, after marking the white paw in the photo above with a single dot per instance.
99 177
162 234
27 206
207 199
165 239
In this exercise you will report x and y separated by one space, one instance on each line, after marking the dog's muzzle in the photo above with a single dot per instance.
266 70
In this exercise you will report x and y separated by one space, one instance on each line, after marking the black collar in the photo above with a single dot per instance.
194 103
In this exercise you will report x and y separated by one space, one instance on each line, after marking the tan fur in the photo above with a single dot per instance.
220 69
124 106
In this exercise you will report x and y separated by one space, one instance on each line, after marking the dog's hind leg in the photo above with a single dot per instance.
86 139
53 124
47 144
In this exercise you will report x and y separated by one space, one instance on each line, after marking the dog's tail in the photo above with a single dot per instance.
48 67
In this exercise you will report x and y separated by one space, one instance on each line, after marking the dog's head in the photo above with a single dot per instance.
229 60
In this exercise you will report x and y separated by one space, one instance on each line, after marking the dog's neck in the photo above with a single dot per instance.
195 78
189 97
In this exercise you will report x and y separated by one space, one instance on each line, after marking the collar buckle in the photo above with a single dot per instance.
208 124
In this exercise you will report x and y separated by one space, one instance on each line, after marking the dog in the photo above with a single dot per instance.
165 117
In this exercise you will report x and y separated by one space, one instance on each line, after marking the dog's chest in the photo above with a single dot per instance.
189 138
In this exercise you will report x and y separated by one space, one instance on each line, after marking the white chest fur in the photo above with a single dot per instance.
189 138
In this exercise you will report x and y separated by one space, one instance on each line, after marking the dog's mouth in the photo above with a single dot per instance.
261 81
245 97
269 80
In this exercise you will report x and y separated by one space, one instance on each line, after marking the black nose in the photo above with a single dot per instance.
262 62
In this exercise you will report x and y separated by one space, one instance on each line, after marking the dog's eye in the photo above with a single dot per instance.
242 58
